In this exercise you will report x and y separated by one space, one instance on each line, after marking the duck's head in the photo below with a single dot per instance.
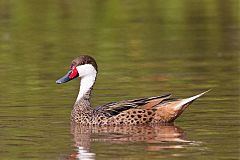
81 66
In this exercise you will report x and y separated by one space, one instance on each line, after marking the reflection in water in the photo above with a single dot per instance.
158 137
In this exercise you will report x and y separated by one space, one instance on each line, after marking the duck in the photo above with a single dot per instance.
160 109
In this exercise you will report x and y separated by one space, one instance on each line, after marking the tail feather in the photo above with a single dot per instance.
186 101
169 109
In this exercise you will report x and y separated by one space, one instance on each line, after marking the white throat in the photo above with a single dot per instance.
88 75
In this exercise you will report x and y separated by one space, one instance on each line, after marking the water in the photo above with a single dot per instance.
143 48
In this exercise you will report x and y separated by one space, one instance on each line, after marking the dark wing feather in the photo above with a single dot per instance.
114 108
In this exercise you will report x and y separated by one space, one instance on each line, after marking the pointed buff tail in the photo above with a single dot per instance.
170 109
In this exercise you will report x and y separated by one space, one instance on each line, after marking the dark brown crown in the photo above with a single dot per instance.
85 59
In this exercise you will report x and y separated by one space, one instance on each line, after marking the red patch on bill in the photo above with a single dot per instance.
74 72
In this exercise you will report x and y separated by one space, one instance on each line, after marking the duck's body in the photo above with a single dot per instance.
159 109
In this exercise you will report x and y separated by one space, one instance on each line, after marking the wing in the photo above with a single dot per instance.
114 108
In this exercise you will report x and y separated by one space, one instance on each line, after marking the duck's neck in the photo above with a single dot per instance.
86 85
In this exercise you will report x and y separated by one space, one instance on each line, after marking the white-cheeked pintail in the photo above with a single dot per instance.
152 110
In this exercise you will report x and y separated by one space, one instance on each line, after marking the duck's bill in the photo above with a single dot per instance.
69 76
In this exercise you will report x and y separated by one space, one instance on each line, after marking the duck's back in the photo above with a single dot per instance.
130 112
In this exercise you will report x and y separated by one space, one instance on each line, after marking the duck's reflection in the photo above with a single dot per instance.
158 136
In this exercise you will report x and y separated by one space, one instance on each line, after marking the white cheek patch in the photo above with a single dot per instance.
86 69
88 75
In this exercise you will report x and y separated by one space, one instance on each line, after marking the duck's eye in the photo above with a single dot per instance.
72 65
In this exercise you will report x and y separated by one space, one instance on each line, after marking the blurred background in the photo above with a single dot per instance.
143 48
